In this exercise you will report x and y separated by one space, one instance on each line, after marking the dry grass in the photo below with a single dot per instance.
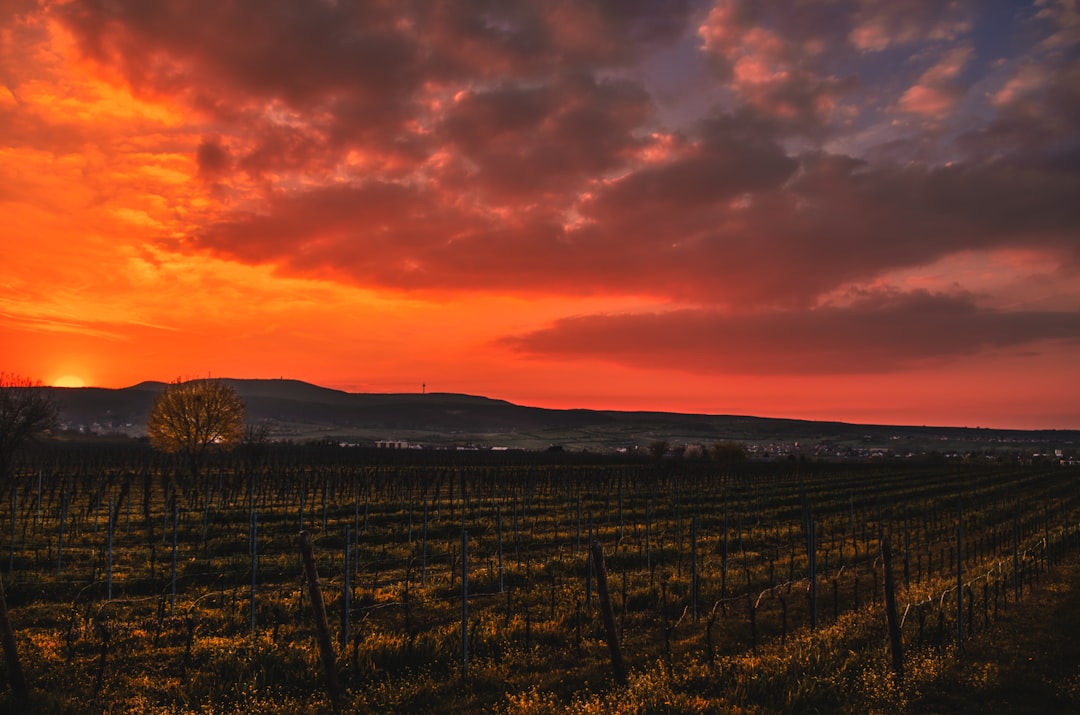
540 648
1028 662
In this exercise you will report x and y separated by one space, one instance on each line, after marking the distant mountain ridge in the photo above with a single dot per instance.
297 410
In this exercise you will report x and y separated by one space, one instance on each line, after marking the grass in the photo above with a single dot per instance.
538 648
1028 662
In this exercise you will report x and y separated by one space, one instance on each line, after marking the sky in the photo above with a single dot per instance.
856 210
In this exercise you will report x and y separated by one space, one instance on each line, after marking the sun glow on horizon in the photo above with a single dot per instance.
530 227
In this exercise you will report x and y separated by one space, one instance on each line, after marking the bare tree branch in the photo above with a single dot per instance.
26 411
190 418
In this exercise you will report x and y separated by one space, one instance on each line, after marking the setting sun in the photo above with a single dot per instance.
721 207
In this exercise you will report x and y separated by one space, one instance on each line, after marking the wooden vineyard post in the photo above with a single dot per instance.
60 531
254 532
709 651
1046 537
621 524
11 654
205 519
109 539
464 601
617 666
589 572
811 554
303 496
14 532
907 554
324 487
809 530
851 521
1017 585
367 504
346 600
498 527
751 610
103 655
694 585
423 548
37 514
960 583
318 608
170 498
648 544
577 547
176 527
724 558
895 645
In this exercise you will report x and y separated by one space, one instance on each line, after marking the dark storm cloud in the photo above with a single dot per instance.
298 51
303 50
515 146
728 223
836 220
727 159
522 141
638 234
877 333
1038 110
212 157
375 75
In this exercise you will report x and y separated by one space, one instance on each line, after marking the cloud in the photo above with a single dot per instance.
1036 109
726 159
514 147
878 332
775 64
808 71
513 142
309 52
299 52
1064 17
730 180
880 24
47 324
727 219
937 91
212 157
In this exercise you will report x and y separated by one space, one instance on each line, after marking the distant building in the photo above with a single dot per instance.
392 444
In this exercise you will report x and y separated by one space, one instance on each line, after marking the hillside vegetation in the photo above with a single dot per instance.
298 411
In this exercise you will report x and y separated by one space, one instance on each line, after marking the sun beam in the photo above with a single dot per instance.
69 381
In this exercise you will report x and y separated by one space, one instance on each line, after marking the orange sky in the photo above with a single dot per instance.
706 207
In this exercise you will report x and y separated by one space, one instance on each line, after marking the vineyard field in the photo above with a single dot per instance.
461 581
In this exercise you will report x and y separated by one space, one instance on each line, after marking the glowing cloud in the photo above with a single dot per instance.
511 199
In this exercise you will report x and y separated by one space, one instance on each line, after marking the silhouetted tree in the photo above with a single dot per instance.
728 452
26 411
659 448
191 418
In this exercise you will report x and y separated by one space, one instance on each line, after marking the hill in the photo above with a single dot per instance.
296 410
